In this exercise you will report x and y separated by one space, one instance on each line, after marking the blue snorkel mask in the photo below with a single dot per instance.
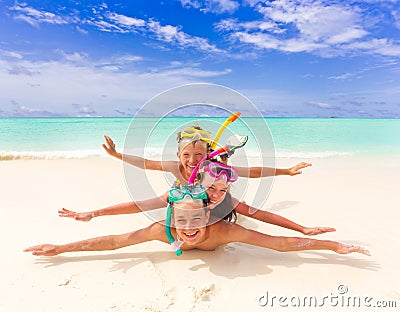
177 194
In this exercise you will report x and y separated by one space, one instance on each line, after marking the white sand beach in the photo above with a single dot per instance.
357 196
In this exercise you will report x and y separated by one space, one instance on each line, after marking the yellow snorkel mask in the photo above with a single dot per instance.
192 132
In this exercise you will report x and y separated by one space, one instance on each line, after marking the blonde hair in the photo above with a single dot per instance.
186 141
183 142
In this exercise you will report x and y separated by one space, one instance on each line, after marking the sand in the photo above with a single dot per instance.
357 196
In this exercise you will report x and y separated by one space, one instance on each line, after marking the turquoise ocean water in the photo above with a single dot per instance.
37 138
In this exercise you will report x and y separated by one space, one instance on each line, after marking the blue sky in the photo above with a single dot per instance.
290 58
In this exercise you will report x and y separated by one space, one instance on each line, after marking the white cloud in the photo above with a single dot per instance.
73 57
126 21
323 105
376 46
34 17
129 58
347 35
396 16
164 33
192 72
341 77
11 54
212 6
172 34
260 40
92 88
81 30
19 70
312 19
319 27
106 26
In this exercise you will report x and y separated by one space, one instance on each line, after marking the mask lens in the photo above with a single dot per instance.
176 194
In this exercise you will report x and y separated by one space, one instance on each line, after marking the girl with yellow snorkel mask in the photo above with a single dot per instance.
193 144
224 209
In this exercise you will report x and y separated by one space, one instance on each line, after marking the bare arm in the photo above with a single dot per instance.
275 219
237 233
137 161
260 172
110 242
124 208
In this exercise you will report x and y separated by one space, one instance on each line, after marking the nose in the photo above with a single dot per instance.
192 159
189 225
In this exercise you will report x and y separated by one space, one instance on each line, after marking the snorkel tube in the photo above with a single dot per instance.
223 149
230 119
176 245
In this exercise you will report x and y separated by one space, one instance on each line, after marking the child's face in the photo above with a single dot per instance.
190 222
216 189
191 154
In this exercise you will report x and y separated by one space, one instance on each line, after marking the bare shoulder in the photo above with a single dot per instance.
157 231
226 232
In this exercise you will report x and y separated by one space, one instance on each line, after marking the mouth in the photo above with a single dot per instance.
191 235
191 166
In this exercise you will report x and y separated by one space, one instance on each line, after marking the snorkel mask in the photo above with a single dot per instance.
198 191
193 133
224 149
177 194
218 170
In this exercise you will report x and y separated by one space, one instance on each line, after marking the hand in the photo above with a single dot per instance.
82 216
43 250
109 146
297 169
346 249
317 230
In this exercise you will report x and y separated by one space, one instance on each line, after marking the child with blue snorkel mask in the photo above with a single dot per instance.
189 228
216 178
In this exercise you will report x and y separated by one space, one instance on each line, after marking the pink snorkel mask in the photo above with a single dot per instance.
218 171
239 142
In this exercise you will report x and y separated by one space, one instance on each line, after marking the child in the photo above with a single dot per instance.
191 149
189 220
193 145
221 204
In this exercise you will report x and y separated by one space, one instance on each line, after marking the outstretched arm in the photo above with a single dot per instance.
137 161
275 219
240 234
110 242
260 172
125 208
